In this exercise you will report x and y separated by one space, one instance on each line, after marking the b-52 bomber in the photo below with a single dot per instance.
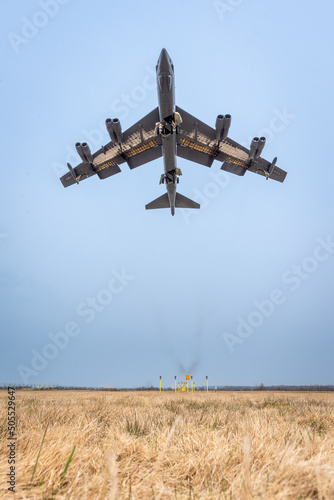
169 131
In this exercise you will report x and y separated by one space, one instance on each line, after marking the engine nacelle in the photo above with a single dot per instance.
87 152
226 127
114 129
110 128
260 147
80 152
219 127
117 130
222 127
256 147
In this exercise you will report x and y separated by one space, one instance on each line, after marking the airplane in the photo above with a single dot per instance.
170 131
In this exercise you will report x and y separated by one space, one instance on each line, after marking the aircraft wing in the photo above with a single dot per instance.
197 142
140 144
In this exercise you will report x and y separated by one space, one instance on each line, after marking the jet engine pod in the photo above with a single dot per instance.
80 152
222 127
110 128
260 147
226 126
253 148
117 130
256 148
114 129
219 127
87 152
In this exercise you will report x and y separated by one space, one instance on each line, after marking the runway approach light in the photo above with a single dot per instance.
187 377
184 385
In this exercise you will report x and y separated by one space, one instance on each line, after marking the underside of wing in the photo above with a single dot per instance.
198 142
85 170
196 137
137 145
140 144
267 169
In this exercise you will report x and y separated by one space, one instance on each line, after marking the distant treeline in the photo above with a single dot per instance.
261 387
278 388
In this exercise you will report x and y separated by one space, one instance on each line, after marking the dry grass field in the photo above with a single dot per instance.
151 445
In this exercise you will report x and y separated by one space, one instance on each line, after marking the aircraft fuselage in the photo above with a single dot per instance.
166 96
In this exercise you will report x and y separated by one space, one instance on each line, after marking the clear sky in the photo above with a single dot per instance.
97 291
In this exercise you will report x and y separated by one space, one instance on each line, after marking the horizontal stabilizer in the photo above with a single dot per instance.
161 202
184 202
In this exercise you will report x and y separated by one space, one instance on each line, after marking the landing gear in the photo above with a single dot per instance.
158 128
163 130
171 177
169 125
177 118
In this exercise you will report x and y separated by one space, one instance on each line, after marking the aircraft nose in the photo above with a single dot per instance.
163 63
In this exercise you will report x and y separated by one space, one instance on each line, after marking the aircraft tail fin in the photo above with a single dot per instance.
180 202
161 202
184 202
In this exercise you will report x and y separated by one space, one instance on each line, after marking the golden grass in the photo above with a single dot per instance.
150 445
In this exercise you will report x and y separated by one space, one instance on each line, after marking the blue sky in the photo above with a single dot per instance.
95 290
